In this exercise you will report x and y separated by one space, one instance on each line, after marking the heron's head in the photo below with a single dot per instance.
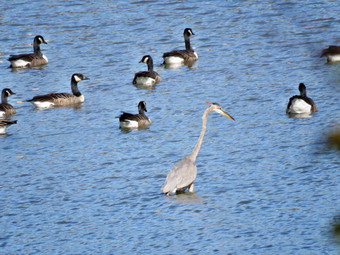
218 108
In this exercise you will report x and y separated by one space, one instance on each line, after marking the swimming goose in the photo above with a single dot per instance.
147 78
128 120
31 59
6 108
182 56
332 53
301 103
4 124
61 99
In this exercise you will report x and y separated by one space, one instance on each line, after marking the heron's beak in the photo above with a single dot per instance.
220 111
225 114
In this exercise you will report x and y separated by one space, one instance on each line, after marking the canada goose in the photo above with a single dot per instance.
4 124
147 78
6 108
128 120
301 103
332 53
61 99
31 59
182 56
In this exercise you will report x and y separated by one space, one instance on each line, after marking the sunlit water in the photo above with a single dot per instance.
73 183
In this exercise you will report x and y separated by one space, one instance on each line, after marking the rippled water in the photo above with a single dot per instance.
73 183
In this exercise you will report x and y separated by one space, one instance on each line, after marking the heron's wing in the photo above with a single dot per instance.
181 175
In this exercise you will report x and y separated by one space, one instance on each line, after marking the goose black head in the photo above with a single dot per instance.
39 39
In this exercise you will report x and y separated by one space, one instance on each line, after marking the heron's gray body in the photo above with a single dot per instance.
181 176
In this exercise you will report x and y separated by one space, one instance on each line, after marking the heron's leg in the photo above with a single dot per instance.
191 187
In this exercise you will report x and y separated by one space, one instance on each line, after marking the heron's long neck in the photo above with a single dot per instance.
187 42
150 65
3 98
74 87
198 145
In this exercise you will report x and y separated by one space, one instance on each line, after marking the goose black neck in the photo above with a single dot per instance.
303 91
36 47
3 97
141 111
187 42
150 64
74 87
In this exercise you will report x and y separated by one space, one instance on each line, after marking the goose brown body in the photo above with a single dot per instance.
61 99
31 59
301 104
4 124
147 78
182 56
6 108
332 53
129 120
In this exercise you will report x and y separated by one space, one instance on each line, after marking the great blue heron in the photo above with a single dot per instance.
149 77
301 103
6 108
61 99
183 174
332 53
129 120
182 56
